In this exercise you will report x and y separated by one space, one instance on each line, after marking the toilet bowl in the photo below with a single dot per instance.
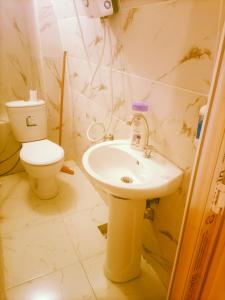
42 160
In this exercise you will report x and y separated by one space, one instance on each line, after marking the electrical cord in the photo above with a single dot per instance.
110 77
4 160
82 35
12 168
101 124
105 129
101 54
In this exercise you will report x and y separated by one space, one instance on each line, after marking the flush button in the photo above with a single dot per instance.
107 4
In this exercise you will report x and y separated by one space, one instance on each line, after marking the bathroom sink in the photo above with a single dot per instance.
126 173
130 179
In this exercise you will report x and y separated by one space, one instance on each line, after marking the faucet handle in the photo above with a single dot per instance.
148 150
109 137
129 121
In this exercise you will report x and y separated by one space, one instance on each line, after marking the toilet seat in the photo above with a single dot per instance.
42 152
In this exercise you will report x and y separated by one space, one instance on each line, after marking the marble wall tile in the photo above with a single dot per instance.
162 229
71 38
182 28
86 112
14 30
110 41
220 24
173 118
92 84
173 112
32 25
116 98
15 57
80 7
80 74
53 78
91 39
64 9
81 44
135 3
15 72
17 77
37 79
119 129
48 29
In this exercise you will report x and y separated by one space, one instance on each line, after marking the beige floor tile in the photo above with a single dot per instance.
83 228
69 283
36 251
42 240
146 287
13 185
76 192
25 210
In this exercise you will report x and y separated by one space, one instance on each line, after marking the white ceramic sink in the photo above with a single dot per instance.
130 179
126 173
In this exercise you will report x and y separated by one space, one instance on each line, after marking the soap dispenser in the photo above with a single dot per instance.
139 133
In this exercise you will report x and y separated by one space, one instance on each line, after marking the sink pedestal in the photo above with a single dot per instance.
124 239
120 170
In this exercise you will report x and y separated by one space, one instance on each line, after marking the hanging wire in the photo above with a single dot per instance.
4 160
12 168
101 124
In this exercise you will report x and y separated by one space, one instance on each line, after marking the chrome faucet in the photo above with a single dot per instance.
147 148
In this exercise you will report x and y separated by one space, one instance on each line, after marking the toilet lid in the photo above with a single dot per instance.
43 152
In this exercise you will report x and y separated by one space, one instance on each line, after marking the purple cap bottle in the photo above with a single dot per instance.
139 106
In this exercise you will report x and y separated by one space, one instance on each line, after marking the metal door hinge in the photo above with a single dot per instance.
219 198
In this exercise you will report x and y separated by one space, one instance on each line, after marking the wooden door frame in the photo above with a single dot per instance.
213 272
199 223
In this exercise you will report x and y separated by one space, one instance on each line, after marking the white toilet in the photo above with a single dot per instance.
41 158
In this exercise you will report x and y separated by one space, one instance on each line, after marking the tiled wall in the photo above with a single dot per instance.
15 74
161 52
26 64
47 56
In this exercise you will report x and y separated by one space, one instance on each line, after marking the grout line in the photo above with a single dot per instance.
41 276
128 74
79 259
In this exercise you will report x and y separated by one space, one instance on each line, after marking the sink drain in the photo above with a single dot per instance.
126 179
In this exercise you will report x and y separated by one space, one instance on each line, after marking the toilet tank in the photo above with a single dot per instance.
28 119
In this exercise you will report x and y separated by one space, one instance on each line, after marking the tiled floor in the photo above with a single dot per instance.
53 250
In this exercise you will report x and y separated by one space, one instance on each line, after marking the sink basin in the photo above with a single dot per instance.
130 179
126 173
